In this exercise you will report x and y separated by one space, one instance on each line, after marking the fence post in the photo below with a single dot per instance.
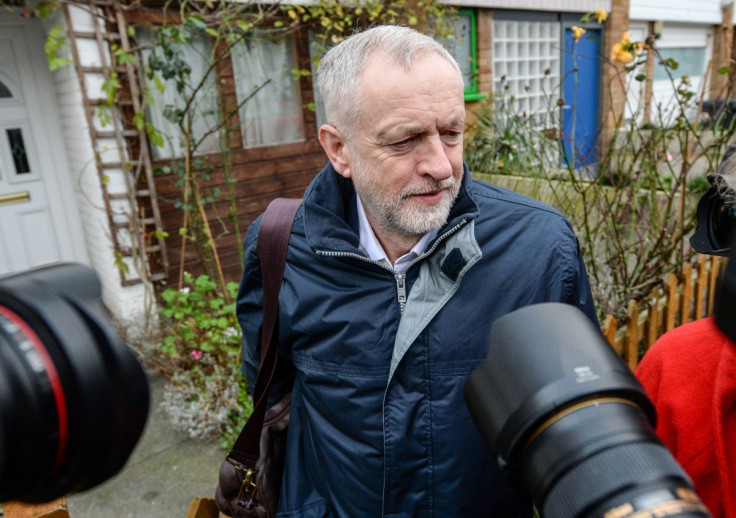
686 296
54 509
701 286
716 263
671 302
610 326
203 508
654 320
633 335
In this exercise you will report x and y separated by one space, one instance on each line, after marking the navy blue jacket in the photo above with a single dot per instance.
379 425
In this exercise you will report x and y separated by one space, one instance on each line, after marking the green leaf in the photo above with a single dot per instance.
196 22
139 119
671 63
54 42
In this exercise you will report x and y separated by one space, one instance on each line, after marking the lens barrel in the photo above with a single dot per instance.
569 421
73 397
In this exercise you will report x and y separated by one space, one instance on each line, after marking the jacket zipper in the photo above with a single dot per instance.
401 290
400 277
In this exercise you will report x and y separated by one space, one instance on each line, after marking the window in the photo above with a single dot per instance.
526 57
462 46
267 92
205 114
690 60
18 150
4 91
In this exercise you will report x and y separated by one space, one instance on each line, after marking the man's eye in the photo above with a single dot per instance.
453 136
404 143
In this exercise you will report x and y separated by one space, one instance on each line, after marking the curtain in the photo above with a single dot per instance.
267 91
204 111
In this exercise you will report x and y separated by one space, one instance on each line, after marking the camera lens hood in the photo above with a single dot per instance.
73 397
542 359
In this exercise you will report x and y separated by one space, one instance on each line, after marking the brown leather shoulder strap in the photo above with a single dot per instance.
272 246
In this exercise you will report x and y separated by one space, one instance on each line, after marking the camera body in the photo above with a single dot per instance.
73 397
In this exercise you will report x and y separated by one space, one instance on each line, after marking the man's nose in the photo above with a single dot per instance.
435 161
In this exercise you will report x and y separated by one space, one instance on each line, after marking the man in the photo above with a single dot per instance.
690 371
398 264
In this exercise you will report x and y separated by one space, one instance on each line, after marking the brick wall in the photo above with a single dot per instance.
722 49
613 95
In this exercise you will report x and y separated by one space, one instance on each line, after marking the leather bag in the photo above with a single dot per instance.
250 476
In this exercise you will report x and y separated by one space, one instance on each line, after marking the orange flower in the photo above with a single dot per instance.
577 32
620 55
625 51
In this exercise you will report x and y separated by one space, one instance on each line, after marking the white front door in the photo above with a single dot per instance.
35 198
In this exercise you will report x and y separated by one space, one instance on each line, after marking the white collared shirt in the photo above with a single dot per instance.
375 251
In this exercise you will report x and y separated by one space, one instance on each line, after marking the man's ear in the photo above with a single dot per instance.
338 152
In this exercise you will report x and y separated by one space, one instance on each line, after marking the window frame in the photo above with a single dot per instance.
471 93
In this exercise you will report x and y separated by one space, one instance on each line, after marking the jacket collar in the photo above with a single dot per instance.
331 220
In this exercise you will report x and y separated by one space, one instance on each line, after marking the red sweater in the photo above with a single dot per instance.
690 375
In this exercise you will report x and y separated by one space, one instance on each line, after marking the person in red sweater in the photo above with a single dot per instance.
690 372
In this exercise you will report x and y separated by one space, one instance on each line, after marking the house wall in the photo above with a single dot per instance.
559 6
613 96
265 172
701 11
261 174
680 24
125 302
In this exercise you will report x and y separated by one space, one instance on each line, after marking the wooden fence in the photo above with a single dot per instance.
201 508
683 299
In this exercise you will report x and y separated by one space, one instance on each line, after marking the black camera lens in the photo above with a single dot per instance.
73 397
715 224
569 421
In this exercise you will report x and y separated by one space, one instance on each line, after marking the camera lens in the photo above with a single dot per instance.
570 422
715 223
73 397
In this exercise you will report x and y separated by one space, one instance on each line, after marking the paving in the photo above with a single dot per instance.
166 471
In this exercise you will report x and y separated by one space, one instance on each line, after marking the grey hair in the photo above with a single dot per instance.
339 72
724 179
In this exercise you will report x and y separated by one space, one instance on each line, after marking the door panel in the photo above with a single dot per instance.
580 91
33 227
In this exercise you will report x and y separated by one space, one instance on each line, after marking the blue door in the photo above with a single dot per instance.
580 92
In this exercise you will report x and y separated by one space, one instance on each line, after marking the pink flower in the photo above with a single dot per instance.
197 355
669 156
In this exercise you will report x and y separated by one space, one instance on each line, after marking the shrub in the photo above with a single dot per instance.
199 353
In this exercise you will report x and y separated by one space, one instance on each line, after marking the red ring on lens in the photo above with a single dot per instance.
54 380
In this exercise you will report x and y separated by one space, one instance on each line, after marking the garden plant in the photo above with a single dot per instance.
634 208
